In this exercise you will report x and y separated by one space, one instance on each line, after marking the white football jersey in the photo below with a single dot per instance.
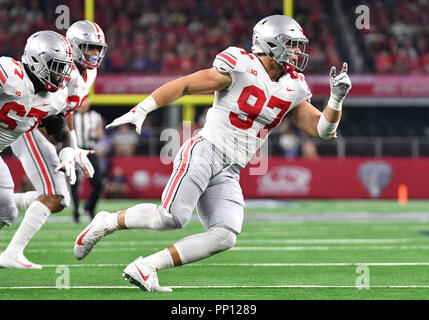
79 87
245 113
21 109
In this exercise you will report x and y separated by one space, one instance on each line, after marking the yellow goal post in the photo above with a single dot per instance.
188 103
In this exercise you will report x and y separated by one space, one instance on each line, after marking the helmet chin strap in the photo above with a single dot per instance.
288 68
87 65
50 87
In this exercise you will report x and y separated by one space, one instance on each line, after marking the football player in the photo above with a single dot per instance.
32 93
253 92
88 50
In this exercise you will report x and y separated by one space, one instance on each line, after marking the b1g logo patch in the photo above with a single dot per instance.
252 71
375 176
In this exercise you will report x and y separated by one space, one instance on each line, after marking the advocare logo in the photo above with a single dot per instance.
289 179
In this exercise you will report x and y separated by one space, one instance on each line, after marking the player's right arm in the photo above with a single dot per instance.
199 82
207 80
56 127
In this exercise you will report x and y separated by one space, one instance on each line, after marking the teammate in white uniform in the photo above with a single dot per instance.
253 92
37 154
32 92
89 48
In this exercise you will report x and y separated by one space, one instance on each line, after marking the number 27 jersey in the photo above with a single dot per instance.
243 115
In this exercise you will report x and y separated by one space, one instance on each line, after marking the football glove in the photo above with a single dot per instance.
81 158
340 86
136 116
67 164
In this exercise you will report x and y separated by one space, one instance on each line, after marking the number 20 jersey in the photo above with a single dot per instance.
21 109
78 88
243 115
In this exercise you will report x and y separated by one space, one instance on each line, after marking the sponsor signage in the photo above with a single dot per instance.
374 86
322 178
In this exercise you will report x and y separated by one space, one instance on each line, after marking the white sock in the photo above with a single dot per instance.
35 216
111 221
160 260
23 200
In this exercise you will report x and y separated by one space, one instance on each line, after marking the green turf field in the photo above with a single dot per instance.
292 250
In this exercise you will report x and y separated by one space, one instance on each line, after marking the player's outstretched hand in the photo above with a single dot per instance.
136 117
67 164
340 84
81 158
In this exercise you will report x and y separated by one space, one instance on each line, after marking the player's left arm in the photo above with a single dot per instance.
324 124
305 116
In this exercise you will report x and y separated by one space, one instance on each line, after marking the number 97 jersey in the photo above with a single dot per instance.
246 112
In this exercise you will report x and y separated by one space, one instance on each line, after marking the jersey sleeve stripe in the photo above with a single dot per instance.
235 58
224 61
3 75
228 58
4 71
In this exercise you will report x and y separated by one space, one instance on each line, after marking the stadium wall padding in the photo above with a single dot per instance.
281 178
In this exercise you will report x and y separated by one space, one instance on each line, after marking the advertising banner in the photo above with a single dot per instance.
373 86
322 178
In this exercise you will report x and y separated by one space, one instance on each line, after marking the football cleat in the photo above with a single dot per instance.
16 261
93 233
143 276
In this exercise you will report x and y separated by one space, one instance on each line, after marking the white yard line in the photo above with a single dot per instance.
242 248
318 264
330 248
240 241
218 287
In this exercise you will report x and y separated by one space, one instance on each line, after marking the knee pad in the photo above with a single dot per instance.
202 245
226 238
182 218
177 221
8 214
8 210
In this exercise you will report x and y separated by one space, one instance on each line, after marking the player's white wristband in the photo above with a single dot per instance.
74 139
148 105
326 128
335 103
66 154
